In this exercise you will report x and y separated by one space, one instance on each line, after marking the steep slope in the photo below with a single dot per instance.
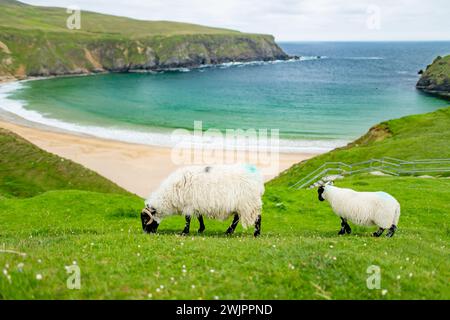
423 136
26 170
35 41
436 78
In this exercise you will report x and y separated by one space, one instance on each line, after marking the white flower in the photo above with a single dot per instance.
161 286
193 286
398 277
7 266
74 262
410 275
39 276
331 247
384 292
5 272
334 258
216 297
39 260
149 295
184 270
92 243
212 270
138 254
158 289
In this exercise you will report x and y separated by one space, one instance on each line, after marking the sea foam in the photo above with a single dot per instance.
156 137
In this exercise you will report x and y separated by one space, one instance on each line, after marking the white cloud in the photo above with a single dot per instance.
290 19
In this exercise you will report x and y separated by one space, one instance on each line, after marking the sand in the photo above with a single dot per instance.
137 168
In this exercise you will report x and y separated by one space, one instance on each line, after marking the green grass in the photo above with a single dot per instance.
15 14
298 256
26 170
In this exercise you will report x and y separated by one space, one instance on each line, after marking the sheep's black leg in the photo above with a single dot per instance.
233 225
202 225
347 228
257 226
187 225
391 231
378 233
344 227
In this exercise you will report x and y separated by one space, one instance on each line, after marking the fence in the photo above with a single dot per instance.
387 165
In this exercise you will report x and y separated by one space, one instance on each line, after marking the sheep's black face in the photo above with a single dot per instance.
320 192
149 224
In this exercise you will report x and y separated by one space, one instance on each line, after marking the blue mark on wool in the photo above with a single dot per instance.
251 168
385 195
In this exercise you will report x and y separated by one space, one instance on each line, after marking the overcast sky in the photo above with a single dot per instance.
290 20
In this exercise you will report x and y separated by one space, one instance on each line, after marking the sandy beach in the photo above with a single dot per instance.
136 168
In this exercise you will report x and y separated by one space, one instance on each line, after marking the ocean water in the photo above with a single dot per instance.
334 94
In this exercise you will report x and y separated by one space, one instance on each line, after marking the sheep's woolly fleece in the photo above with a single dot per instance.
213 191
363 208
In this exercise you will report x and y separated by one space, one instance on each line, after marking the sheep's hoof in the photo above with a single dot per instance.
341 232
389 234
376 234
201 230
229 232
348 230
257 234
184 233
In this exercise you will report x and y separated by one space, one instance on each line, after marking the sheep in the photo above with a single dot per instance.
214 191
362 208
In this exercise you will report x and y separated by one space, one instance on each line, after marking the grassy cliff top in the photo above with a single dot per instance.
439 70
436 78
26 170
14 14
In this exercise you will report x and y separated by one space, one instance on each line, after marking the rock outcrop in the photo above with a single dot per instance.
436 78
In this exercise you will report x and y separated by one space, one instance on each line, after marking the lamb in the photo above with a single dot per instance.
214 191
362 208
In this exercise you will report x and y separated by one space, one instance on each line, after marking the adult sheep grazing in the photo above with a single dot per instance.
213 191
362 208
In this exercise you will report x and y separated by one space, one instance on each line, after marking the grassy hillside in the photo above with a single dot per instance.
436 78
414 137
26 170
34 41
298 256
15 14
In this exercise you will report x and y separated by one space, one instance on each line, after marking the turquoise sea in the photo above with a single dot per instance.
332 95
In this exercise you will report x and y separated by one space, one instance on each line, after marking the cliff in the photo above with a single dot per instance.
436 78
34 41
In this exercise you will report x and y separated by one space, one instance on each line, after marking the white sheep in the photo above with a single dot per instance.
213 191
362 208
